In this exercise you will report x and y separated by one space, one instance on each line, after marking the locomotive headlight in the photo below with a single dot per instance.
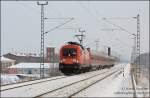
77 61
74 60
63 60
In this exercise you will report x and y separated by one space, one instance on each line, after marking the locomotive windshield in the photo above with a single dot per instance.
69 52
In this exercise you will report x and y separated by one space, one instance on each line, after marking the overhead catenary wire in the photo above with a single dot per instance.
118 27
95 16
121 28
116 18
59 25
36 11
90 13
25 6
60 18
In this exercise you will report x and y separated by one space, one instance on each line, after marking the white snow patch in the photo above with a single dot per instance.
7 79
114 86
34 65
6 59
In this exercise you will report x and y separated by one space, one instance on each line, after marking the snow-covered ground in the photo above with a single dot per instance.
116 86
8 79
40 88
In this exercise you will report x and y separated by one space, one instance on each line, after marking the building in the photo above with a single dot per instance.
6 63
22 58
33 68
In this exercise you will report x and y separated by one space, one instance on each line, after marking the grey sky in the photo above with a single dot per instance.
21 24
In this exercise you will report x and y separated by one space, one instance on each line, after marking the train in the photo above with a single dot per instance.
74 59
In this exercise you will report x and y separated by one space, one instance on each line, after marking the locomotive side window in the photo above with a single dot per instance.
69 52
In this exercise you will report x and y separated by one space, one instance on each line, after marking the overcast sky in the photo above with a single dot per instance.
21 24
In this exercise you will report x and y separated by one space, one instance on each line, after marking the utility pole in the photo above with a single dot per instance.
133 54
137 62
133 57
138 48
80 36
42 39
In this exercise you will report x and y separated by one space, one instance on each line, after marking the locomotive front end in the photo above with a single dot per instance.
69 62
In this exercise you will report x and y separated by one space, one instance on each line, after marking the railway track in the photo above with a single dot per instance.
13 86
27 83
48 86
76 87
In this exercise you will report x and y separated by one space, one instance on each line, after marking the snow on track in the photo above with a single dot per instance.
74 88
113 86
40 88
16 85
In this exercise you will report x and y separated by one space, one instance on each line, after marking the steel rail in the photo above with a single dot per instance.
91 84
25 81
32 83
43 80
40 95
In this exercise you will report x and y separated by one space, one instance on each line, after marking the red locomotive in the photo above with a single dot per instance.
74 58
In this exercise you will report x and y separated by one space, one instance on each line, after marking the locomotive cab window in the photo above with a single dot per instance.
69 52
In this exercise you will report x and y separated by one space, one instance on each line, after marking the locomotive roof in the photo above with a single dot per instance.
75 43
